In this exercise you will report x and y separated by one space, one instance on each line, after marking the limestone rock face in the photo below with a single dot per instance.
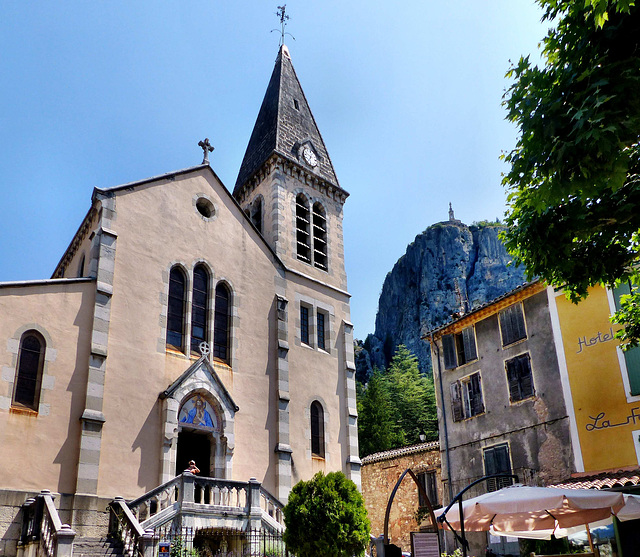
448 267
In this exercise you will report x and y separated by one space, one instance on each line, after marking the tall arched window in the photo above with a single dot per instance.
221 323
199 308
303 239
319 236
80 272
256 213
176 309
317 429
26 391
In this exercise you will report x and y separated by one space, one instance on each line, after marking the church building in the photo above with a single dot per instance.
187 322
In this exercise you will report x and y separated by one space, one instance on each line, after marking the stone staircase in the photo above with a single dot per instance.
97 547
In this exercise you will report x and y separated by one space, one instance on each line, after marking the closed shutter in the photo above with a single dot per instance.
518 323
456 401
469 340
514 383
512 324
526 377
449 351
632 356
432 489
496 461
505 327
490 468
477 406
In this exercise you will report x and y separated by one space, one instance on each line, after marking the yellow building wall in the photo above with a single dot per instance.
605 420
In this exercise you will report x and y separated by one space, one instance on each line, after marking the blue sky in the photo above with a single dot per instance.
407 96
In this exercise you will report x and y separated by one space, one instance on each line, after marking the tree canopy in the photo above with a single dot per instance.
396 406
574 179
326 516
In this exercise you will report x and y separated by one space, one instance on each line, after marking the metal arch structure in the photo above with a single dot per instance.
432 515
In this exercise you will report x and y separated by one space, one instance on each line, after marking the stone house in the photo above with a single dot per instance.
501 398
185 321
380 473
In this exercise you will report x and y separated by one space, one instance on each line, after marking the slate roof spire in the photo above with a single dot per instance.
285 126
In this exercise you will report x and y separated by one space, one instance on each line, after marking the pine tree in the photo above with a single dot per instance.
396 406
377 429
412 397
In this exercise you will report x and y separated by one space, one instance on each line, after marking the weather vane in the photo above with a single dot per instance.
281 13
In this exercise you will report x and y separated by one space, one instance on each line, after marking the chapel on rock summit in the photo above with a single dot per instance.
185 321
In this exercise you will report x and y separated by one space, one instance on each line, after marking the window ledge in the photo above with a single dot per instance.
23 410
518 402
515 343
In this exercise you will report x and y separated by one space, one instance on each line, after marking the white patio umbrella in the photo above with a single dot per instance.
538 512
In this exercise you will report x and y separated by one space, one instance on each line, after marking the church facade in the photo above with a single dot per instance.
185 322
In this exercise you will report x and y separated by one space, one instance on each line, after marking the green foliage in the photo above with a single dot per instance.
557 546
326 516
377 428
396 406
574 179
487 223
180 549
412 396
629 313
456 553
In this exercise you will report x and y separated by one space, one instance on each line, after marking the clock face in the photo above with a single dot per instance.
310 156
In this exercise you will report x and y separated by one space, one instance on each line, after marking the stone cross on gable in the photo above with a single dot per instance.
207 148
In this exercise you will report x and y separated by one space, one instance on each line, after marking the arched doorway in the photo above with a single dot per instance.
199 435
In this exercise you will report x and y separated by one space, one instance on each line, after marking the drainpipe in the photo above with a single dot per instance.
444 422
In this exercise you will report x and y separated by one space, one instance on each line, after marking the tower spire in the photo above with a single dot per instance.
285 126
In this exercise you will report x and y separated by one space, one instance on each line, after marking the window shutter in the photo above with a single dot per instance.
477 405
469 340
490 467
432 489
518 323
512 378
505 327
512 324
526 377
449 351
456 401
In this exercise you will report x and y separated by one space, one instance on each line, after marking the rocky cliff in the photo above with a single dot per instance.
448 267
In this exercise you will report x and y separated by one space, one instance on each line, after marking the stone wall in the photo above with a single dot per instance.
380 472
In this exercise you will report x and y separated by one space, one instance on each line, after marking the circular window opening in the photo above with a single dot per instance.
205 207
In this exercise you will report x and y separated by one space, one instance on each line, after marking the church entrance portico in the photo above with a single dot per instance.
198 415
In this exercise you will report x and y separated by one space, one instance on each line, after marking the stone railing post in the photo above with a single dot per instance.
253 502
255 515
145 543
64 541
187 493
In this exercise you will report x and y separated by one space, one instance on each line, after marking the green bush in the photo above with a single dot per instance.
326 516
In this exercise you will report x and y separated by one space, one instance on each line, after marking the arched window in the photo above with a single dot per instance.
256 213
221 323
176 309
319 236
81 267
303 239
199 308
317 429
26 391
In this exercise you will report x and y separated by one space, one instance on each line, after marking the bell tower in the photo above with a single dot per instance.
287 184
